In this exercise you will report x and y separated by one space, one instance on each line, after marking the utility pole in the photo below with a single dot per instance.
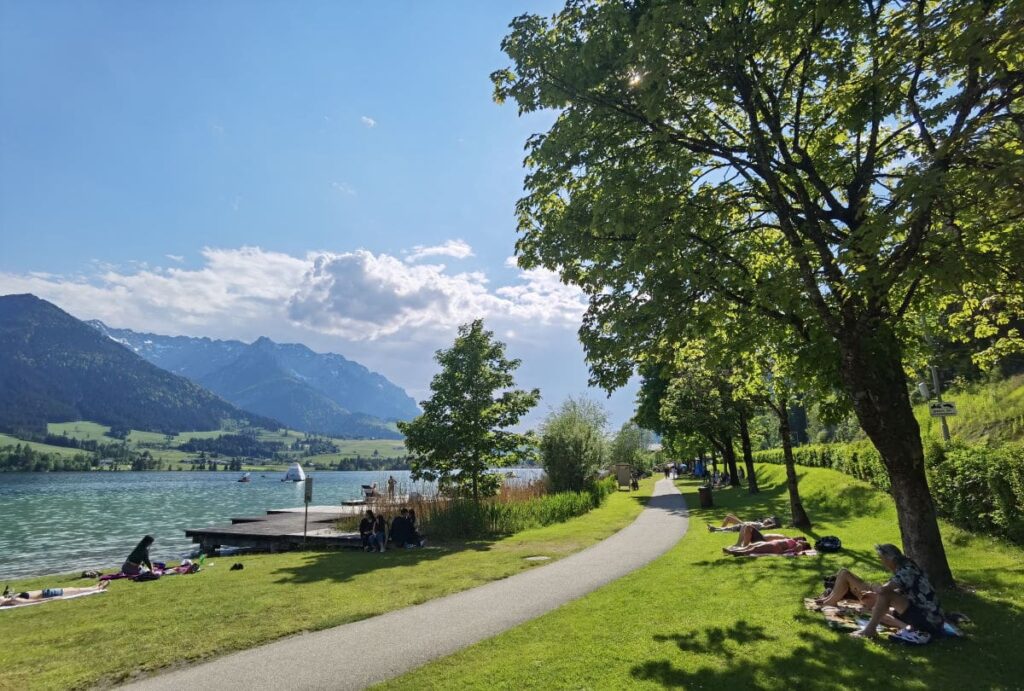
938 397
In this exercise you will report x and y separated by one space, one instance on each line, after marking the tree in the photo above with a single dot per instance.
462 431
572 444
832 167
627 447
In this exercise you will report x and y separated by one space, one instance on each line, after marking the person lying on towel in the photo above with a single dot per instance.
45 594
778 545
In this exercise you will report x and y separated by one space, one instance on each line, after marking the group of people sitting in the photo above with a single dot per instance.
375 534
906 601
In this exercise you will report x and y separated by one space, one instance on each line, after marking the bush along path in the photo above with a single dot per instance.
373 650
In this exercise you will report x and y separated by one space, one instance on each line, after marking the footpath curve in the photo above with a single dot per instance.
356 655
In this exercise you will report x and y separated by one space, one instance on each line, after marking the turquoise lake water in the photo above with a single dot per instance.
65 522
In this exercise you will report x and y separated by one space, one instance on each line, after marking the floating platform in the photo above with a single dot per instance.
279 530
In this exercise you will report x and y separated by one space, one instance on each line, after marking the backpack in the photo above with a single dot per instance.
829 543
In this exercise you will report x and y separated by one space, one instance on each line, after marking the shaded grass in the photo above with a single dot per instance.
697 619
135 627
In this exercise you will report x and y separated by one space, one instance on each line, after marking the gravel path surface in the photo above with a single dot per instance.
356 655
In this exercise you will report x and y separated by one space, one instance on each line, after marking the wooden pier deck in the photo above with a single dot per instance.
279 530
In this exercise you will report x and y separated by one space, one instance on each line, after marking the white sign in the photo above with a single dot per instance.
944 409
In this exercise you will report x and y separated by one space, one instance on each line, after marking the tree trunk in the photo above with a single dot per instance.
729 455
748 455
476 491
796 507
872 370
714 460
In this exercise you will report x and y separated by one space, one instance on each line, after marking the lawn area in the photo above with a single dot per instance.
697 619
106 638
7 440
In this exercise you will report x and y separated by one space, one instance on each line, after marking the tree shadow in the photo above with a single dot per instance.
339 566
731 658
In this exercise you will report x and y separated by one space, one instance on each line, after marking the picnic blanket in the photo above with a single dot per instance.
794 553
851 615
51 599
172 571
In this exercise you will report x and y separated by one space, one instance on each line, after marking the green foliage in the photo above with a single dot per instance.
629 447
466 519
572 444
462 431
976 487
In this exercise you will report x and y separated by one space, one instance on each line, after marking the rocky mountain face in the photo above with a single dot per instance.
56 368
309 391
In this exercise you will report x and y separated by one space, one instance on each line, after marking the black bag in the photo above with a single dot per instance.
147 576
829 543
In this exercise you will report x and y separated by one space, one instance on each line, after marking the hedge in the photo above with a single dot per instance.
976 487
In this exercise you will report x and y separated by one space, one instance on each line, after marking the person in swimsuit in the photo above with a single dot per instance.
780 545
28 596
732 523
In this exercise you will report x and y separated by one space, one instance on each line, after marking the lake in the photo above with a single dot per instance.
65 522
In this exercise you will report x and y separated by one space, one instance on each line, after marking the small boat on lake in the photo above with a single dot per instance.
245 478
295 474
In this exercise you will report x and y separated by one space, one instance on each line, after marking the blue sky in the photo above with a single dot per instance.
334 173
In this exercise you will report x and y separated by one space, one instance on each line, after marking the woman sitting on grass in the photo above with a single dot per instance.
28 596
779 545
138 558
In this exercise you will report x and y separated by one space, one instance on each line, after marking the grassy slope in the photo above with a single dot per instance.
697 619
150 625
991 412
7 440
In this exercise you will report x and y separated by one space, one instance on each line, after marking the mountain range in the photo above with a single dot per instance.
55 368
314 392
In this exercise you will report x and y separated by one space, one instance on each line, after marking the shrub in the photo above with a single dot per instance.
572 445
976 487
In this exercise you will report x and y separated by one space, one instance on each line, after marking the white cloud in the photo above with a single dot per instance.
368 121
383 312
344 188
459 249
175 258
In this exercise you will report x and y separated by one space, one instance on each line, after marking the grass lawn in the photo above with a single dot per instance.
106 638
697 619
7 440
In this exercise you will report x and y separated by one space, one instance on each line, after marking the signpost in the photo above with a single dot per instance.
942 409
309 498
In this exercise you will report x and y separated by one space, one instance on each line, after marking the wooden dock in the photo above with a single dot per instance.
280 530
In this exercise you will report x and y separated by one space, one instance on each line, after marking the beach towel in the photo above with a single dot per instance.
851 615
51 599
795 553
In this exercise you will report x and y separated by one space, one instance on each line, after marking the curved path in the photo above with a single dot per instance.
356 655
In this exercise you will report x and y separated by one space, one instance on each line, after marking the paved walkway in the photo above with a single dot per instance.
356 655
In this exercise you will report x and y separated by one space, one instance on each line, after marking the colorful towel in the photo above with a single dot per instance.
795 553
51 599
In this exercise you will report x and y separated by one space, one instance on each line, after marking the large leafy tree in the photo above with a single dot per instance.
572 444
463 429
830 166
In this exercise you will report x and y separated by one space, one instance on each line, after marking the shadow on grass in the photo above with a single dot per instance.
343 565
832 659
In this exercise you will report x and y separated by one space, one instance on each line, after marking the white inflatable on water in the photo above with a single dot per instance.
295 474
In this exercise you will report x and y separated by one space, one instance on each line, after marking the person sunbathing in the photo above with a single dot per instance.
749 535
732 523
28 596
780 545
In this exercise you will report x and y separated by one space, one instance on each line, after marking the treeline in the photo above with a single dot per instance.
24 458
367 463
234 445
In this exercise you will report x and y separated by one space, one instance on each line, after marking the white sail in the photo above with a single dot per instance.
295 473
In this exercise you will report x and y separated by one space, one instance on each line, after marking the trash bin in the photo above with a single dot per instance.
705 497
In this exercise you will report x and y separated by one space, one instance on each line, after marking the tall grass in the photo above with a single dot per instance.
515 508
987 412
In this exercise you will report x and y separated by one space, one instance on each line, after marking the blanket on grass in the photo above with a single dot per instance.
173 571
51 599
850 615
794 553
